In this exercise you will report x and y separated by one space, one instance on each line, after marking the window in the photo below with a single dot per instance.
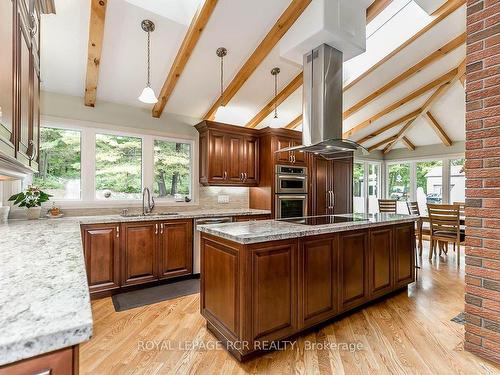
399 184
60 163
429 183
359 188
457 180
118 167
172 170
373 187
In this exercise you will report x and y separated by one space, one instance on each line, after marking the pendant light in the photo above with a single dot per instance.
221 52
275 121
148 95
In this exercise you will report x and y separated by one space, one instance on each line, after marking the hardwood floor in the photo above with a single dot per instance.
410 333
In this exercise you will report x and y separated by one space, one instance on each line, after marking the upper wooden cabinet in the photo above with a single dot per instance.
20 82
288 157
229 155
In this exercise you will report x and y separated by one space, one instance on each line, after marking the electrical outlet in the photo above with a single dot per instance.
223 199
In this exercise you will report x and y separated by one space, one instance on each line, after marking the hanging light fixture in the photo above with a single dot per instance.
275 121
221 52
148 95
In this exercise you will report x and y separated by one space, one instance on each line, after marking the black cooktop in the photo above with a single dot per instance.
323 220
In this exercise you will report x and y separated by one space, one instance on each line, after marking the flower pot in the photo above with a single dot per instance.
4 214
33 213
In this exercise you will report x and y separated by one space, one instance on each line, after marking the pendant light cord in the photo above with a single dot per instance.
221 77
149 59
275 95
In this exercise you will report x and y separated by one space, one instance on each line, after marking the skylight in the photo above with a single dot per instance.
393 26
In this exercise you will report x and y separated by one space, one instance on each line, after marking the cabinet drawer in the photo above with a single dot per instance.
61 362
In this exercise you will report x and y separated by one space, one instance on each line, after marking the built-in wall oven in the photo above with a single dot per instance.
290 198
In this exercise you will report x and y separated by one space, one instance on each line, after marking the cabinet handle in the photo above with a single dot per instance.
293 156
245 177
156 228
117 231
225 175
33 150
44 372
333 199
161 228
242 176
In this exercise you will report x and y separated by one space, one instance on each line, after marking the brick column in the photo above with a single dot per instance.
482 171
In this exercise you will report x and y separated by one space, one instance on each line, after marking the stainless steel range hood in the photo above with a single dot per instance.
322 105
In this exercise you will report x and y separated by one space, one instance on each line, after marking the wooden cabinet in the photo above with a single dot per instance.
139 256
381 261
318 273
101 247
353 269
251 217
20 82
288 157
330 186
404 239
176 248
228 155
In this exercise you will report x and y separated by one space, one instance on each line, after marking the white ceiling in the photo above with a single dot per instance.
238 25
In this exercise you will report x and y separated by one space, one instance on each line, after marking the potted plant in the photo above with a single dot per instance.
32 199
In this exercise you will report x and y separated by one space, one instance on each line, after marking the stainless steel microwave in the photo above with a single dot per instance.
290 180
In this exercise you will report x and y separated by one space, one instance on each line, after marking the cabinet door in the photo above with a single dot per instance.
381 261
176 249
299 157
321 178
7 32
139 252
342 186
353 269
101 250
234 159
273 290
404 249
251 161
283 157
34 121
217 157
317 281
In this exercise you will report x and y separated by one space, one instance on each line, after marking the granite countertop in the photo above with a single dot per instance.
272 230
44 295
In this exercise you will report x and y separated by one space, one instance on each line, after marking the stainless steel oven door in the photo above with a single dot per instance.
291 184
288 206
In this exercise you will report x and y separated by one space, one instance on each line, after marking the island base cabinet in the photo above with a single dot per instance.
262 293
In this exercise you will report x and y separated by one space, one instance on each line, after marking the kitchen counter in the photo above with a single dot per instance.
271 230
44 295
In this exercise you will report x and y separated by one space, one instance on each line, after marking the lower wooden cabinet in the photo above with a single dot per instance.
404 261
122 255
381 261
252 217
101 247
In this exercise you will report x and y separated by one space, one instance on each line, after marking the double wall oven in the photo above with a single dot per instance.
290 191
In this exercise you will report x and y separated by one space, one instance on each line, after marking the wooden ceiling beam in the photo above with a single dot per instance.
438 54
398 136
447 77
438 129
191 38
280 98
391 125
294 123
381 143
375 9
96 35
409 145
286 20
439 15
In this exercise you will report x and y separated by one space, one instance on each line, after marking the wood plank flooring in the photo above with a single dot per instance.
410 333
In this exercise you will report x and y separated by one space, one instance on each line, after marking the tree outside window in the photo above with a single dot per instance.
172 169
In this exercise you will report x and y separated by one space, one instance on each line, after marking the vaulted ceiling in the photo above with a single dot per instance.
375 88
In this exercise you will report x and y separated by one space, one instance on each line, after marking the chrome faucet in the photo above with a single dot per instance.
150 202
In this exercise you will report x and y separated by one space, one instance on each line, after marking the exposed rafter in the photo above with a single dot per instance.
375 9
439 15
438 129
438 54
409 145
391 125
294 123
447 77
193 34
96 34
279 29
282 95
381 143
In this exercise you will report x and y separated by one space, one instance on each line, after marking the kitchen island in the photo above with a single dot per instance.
263 282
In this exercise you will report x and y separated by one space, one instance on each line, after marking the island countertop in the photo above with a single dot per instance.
272 230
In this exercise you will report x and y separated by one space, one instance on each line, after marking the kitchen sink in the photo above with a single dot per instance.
149 215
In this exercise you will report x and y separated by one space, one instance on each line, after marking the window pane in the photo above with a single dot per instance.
373 187
457 181
358 188
429 183
399 185
118 167
172 170
60 161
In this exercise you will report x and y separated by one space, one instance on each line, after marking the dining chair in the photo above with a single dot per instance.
422 229
387 205
462 214
445 227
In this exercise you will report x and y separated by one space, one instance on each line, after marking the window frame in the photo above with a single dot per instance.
88 162
366 163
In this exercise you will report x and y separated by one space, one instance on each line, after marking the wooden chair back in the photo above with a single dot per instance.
444 218
387 205
413 208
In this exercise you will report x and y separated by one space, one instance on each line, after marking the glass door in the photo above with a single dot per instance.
358 188
373 187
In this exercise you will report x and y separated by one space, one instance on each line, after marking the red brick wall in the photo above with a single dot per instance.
482 171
